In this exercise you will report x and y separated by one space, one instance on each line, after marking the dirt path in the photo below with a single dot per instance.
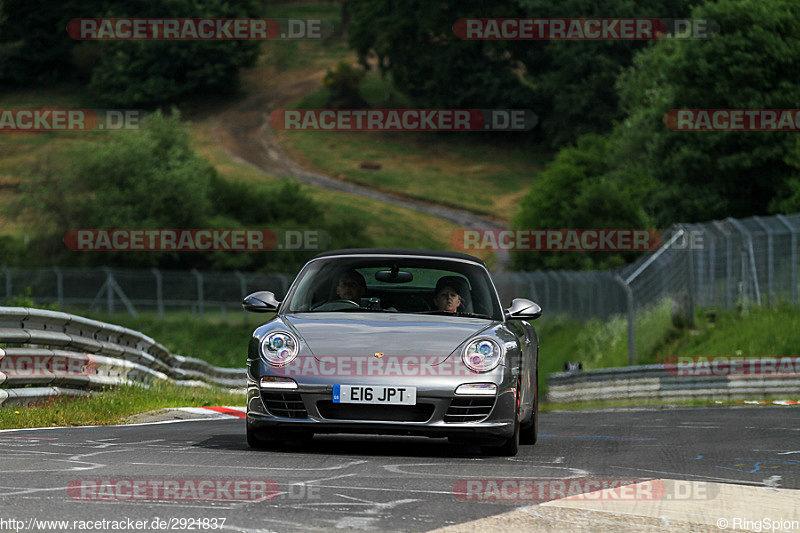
244 131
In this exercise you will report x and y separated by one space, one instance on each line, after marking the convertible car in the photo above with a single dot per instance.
404 342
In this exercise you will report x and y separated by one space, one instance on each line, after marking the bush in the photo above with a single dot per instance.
343 80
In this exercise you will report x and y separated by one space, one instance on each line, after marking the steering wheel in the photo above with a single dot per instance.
325 305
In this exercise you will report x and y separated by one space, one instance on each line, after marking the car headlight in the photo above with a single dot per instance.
482 354
279 348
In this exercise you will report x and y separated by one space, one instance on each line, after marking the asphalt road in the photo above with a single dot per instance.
377 483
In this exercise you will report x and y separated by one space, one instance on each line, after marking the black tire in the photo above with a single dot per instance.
529 432
510 447
256 442
276 440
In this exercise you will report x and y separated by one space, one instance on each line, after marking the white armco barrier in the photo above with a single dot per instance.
48 353
714 378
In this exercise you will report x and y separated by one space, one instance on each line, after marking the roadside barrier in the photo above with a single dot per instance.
48 353
690 381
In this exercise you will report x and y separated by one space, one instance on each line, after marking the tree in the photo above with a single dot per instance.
751 64
414 41
569 84
150 72
581 189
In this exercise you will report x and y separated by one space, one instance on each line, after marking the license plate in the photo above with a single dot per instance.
375 395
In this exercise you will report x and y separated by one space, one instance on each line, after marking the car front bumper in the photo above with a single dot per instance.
437 412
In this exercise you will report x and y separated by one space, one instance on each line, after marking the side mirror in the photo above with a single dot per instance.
524 309
260 302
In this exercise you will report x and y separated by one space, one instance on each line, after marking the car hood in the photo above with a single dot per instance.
398 335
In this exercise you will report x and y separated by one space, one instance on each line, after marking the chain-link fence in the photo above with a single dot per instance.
719 264
112 290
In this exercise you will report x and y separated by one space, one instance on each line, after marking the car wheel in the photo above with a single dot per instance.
276 440
510 446
254 441
529 431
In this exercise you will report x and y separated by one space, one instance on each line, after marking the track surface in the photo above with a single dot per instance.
386 483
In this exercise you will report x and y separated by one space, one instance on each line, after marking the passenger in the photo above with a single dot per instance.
352 286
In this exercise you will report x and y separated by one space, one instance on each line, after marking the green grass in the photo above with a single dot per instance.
760 331
458 169
112 406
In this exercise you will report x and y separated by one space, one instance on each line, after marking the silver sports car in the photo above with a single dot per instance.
405 342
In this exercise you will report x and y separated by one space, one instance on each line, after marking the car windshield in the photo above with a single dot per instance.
395 285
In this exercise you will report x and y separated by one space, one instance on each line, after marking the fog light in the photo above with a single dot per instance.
274 382
477 389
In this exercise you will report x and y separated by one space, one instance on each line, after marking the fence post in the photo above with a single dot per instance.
7 272
690 288
200 301
559 291
794 258
728 263
59 288
770 258
531 284
109 287
631 320
159 292
745 233
242 290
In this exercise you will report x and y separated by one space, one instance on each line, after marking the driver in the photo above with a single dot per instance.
352 286
447 296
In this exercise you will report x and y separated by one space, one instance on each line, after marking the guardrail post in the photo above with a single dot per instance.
200 302
159 292
59 288
794 260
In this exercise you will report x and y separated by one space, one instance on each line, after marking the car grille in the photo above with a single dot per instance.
469 409
390 413
284 404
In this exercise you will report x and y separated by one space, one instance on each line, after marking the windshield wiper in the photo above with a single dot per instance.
450 313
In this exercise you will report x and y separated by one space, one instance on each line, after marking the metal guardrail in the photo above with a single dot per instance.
49 353
665 382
